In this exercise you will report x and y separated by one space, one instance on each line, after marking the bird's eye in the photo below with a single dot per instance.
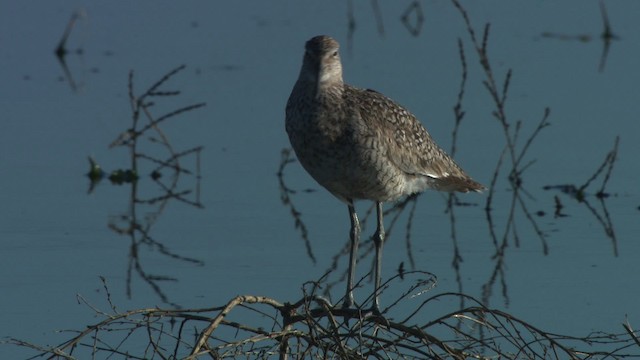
335 53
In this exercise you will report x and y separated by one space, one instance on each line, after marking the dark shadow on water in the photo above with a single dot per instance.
151 152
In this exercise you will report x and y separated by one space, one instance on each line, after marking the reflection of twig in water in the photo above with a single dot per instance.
458 113
285 197
515 159
140 235
605 221
351 22
578 193
457 108
351 26
608 162
61 50
378 15
139 230
607 36
413 8
413 24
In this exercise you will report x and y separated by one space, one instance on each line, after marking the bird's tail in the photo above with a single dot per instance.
460 184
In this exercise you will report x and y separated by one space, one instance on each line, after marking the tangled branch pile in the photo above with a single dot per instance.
257 327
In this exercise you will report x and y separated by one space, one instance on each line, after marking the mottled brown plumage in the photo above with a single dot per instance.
359 144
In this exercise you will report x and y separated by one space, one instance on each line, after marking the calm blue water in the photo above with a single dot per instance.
242 59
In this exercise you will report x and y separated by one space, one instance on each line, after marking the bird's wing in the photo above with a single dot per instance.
406 142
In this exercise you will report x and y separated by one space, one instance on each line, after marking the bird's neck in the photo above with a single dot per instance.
321 82
329 89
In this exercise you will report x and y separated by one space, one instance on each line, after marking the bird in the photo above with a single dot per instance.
360 145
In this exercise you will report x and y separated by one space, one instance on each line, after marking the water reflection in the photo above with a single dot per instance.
167 171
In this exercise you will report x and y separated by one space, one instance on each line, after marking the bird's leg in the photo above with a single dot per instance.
354 234
378 239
